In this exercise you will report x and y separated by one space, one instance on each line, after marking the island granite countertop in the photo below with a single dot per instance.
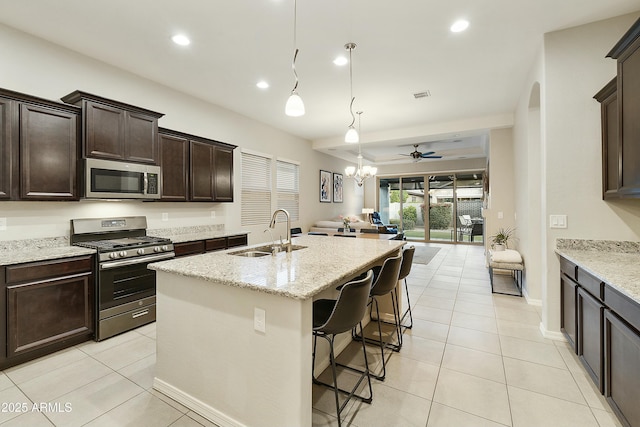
324 262
614 262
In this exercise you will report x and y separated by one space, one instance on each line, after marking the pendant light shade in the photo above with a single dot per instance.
294 106
351 136
360 172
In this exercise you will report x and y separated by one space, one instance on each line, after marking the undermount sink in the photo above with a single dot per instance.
261 251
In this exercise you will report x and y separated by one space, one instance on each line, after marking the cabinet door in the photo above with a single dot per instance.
6 152
590 335
610 149
189 248
141 138
48 154
629 109
223 174
622 376
44 313
174 161
201 159
568 319
104 131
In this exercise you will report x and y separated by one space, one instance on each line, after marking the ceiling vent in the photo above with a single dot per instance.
424 94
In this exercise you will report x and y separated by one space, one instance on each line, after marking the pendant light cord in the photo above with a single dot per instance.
295 43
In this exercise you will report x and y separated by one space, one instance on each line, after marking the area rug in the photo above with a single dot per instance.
424 254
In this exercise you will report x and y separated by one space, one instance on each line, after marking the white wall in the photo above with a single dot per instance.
571 69
37 67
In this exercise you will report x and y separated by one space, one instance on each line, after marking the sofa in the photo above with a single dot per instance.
332 225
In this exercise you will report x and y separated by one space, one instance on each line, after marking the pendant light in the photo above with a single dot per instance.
352 134
360 173
294 106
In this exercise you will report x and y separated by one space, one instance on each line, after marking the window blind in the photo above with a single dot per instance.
256 189
288 188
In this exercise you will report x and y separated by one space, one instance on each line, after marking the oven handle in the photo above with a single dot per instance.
135 261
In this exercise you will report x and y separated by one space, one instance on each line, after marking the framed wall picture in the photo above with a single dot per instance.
325 186
337 188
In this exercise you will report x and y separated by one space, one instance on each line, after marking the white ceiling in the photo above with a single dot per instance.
403 47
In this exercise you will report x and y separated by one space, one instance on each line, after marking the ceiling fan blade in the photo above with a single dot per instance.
431 157
428 153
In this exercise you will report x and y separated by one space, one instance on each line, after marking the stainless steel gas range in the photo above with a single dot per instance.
126 289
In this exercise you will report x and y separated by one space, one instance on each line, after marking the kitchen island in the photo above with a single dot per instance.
212 355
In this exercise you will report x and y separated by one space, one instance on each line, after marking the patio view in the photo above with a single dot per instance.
449 211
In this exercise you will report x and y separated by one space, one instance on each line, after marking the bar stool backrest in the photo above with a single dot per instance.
407 261
388 276
350 306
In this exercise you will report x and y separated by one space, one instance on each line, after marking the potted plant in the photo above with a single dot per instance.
500 240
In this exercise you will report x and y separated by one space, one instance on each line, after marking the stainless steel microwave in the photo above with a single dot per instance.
106 179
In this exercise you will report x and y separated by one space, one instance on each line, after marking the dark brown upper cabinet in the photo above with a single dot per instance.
114 130
627 53
40 148
194 168
607 97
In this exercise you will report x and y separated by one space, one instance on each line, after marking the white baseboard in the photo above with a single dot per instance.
531 301
552 335
196 405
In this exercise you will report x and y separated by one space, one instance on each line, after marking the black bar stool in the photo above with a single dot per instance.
385 284
405 269
332 317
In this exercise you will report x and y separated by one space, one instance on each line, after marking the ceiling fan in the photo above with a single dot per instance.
417 155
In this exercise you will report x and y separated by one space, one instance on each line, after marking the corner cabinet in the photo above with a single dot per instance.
195 168
114 130
39 148
620 124
49 306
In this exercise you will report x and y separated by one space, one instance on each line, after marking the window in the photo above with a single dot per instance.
288 188
256 189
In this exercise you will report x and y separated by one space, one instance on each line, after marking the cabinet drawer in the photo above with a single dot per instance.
624 307
216 244
568 268
592 284
189 248
237 241
45 269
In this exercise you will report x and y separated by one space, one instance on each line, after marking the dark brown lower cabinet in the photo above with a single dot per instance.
568 318
590 334
217 244
49 306
622 368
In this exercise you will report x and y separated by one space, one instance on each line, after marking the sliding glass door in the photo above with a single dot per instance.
434 208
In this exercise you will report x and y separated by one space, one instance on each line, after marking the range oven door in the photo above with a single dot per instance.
126 294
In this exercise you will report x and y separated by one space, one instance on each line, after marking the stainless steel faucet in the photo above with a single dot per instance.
273 225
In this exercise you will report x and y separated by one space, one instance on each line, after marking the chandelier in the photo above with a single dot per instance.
360 173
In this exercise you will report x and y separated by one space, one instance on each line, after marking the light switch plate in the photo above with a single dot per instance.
165 216
557 221
3 224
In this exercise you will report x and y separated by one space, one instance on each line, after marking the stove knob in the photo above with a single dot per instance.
140 251
157 249
113 255
123 253
165 248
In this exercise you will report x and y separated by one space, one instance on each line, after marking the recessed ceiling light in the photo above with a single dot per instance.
181 40
341 60
262 84
459 26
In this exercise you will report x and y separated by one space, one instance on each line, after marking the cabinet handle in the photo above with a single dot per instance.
140 314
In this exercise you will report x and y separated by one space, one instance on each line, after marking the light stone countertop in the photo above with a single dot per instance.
30 250
613 262
325 262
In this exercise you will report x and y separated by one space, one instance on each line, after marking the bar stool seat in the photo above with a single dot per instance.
333 317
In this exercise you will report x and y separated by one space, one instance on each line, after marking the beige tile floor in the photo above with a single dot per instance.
471 359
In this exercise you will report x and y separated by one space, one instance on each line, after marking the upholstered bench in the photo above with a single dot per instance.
508 259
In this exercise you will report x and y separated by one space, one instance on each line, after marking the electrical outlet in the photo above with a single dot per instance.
213 214
259 319
3 224
500 215
165 216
